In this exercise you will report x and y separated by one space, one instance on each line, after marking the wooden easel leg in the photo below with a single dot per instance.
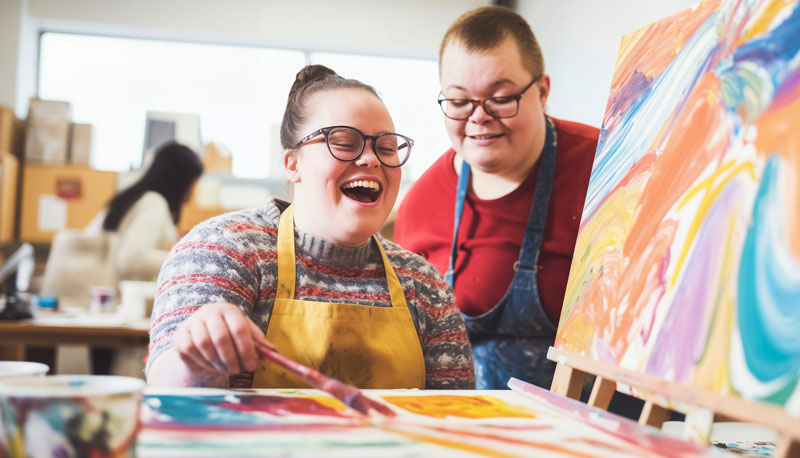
568 381
602 390
787 448
653 415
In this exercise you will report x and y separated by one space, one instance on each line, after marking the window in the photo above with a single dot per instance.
238 92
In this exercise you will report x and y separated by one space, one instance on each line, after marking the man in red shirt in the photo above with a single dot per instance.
498 213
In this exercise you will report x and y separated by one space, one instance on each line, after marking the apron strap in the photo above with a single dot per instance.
396 293
287 267
286 258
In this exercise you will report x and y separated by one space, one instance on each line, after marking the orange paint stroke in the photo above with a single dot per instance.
483 450
699 136
688 150
651 49
447 405
598 263
328 401
778 134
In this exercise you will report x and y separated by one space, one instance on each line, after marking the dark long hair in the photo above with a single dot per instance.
172 173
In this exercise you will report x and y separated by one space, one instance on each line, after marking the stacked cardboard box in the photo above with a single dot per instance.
217 158
7 129
48 131
10 139
80 143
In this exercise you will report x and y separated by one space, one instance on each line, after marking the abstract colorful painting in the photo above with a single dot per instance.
687 263
309 423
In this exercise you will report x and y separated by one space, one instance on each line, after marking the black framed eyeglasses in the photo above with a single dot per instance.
347 143
506 106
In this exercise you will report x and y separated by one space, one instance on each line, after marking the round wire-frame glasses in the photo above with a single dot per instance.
346 143
506 106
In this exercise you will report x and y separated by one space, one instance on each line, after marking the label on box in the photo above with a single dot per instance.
68 188
52 213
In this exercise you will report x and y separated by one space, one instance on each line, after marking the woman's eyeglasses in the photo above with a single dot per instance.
499 107
347 143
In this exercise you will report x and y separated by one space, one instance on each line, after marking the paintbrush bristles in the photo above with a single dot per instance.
348 394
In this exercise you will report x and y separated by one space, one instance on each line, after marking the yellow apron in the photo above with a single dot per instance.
369 347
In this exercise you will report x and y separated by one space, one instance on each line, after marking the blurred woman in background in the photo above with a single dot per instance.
144 216
128 240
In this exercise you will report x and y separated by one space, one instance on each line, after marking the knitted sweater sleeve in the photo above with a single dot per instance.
445 346
209 265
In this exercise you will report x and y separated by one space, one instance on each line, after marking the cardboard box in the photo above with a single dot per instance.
48 111
9 173
61 197
80 143
47 136
7 129
47 141
217 158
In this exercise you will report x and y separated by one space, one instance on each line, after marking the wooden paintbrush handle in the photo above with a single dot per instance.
286 363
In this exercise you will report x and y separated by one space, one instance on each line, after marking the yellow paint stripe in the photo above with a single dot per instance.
705 206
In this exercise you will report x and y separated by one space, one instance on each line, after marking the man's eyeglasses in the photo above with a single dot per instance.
347 143
505 106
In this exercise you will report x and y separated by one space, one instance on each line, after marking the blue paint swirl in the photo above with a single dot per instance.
769 292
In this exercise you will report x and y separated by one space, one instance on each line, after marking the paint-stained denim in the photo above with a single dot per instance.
512 338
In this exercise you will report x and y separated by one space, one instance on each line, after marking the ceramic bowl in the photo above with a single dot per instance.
70 415
21 368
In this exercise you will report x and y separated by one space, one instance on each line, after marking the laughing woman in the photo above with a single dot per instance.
312 278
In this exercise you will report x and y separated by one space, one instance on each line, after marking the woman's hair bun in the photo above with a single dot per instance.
311 73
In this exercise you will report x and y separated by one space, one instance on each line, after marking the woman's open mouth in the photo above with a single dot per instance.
366 191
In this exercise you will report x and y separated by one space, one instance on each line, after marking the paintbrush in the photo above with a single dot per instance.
348 394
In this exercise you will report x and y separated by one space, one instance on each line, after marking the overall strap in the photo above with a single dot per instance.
529 252
461 195
537 218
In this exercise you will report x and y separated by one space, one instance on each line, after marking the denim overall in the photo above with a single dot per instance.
512 338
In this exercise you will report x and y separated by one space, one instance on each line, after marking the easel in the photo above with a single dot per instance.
701 407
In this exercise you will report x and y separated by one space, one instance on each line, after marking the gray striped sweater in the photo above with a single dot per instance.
232 258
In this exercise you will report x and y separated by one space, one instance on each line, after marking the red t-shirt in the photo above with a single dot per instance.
490 235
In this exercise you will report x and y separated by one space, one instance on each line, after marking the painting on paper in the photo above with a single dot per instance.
310 423
687 263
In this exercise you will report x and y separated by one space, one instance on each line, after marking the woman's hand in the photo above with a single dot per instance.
219 338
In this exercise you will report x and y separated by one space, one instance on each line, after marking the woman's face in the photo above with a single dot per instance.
342 202
494 145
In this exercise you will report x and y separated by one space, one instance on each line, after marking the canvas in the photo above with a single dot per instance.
304 423
687 263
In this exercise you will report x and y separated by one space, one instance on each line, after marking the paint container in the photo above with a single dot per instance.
69 415
21 369
102 298
17 369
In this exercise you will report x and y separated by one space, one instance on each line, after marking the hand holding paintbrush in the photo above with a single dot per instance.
348 394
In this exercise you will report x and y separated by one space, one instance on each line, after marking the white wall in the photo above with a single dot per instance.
400 28
10 15
580 40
